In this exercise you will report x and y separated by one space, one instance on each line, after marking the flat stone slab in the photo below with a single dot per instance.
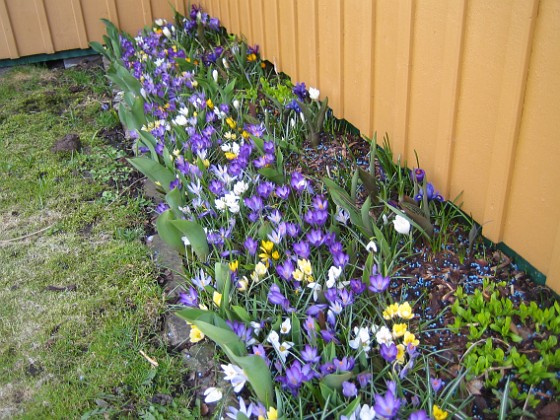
176 332
170 260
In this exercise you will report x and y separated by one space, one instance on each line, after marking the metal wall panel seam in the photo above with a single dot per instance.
402 88
147 11
341 55
113 12
80 23
279 35
7 31
371 129
449 98
44 28
510 111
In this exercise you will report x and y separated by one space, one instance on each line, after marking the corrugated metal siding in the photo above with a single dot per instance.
471 85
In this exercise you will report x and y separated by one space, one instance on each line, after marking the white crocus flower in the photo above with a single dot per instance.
220 204
235 375
286 326
184 111
212 395
342 216
215 75
236 104
185 240
367 412
334 274
240 187
166 32
260 269
362 339
160 22
401 224
281 348
180 120
371 247
384 336
314 93
316 287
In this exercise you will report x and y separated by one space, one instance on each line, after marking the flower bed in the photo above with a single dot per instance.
292 274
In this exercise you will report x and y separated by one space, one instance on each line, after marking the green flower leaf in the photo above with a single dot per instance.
196 236
154 171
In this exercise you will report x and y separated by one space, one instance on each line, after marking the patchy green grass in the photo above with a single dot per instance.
78 291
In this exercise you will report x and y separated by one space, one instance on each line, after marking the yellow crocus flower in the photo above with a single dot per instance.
439 414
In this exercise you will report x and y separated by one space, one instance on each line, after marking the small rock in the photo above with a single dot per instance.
199 358
170 259
151 192
176 332
162 399
68 143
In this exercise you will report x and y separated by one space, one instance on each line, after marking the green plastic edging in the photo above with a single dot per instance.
523 264
40 58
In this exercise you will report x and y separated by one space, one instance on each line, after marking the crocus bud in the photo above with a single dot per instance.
419 174
314 93
401 224
215 75
236 104
166 32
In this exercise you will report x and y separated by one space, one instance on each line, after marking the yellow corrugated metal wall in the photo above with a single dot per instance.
471 85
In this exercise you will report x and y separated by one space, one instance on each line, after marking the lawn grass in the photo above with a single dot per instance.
74 352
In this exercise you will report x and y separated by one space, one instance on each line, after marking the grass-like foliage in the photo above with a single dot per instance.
287 273
78 291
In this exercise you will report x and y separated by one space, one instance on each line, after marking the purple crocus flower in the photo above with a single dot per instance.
327 368
388 352
260 351
436 384
341 259
189 298
298 182
345 364
309 327
285 270
242 331
419 415
387 405
315 237
357 286
294 377
329 336
214 24
300 91
418 174
254 203
314 310
364 378
378 283
293 105
264 189
283 192
216 187
330 294
251 245
161 207
316 217
276 297
256 130
349 390
302 249
292 229
309 354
